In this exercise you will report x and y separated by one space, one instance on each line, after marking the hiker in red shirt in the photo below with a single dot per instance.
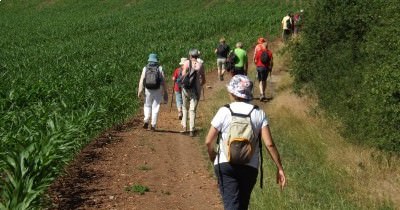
258 47
177 78
263 60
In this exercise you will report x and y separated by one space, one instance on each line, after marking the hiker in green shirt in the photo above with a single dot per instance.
241 65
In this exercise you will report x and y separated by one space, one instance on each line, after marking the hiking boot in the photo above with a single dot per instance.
146 125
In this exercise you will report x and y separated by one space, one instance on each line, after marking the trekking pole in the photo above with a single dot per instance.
204 98
172 98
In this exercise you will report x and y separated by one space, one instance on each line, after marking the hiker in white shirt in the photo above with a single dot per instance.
153 96
236 181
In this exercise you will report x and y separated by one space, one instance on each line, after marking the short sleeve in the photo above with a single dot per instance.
219 118
264 119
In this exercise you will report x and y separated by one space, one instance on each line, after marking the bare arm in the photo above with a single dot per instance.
273 152
141 87
210 141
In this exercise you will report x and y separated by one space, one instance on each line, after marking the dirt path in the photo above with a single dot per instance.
169 163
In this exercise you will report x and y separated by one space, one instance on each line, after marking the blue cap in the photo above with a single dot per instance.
153 58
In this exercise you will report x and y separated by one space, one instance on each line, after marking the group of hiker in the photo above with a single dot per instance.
292 24
238 128
236 62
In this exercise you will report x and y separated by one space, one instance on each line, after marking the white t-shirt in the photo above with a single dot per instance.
222 120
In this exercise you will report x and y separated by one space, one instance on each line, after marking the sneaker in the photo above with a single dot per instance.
146 125
191 134
153 128
261 97
221 78
183 130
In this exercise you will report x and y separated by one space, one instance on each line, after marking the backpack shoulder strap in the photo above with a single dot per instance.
153 67
239 114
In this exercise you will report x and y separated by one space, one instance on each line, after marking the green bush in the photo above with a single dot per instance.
348 56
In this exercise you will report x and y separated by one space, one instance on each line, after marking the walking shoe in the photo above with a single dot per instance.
146 125
261 97
180 116
153 128
191 133
183 130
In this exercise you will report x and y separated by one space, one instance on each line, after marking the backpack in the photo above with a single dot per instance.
241 144
222 50
231 60
189 81
288 24
152 78
264 57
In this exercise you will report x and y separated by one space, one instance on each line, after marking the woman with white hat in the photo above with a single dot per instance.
177 78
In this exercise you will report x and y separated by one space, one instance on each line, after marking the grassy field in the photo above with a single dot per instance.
70 70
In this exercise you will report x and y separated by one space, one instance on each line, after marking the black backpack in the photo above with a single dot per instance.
189 80
152 78
222 50
289 24
231 60
265 59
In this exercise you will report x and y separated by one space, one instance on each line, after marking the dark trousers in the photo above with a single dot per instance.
262 73
238 70
235 184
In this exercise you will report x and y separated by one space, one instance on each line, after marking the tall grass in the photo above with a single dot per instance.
323 170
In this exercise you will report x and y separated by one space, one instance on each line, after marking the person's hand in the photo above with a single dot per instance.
281 178
212 156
